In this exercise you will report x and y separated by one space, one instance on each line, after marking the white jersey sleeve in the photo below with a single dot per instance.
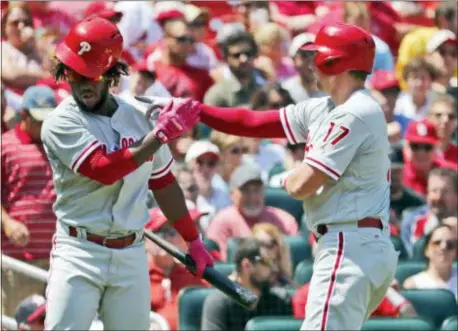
162 162
337 143
296 118
68 139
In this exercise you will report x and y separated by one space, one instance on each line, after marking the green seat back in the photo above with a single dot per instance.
303 272
211 245
399 246
273 323
417 250
406 269
450 324
276 197
190 304
225 268
398 324
434 305
299 249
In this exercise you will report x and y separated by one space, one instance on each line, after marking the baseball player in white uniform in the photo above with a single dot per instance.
105 155
344 180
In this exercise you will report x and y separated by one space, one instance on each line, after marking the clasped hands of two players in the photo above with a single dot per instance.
175 118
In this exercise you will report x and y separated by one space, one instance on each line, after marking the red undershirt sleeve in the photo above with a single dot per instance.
243 122
161 182
108 168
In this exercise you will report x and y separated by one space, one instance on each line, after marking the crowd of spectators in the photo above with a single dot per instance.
238 54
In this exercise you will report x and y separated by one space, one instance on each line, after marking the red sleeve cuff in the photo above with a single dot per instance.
161 182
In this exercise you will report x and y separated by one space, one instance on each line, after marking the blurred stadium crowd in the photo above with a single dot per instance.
245 53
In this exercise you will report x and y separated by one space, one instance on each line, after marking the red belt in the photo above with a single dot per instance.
116 243
367 222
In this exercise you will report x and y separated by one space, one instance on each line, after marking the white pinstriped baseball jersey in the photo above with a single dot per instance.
349 143
69 135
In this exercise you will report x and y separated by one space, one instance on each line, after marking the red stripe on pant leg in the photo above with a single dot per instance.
324 319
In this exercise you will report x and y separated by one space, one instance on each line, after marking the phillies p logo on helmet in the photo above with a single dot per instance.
84 47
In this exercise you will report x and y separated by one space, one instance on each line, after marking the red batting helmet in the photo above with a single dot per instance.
93 46
342 47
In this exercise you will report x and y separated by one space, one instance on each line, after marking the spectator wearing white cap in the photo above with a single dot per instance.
303 85
203 158
442 51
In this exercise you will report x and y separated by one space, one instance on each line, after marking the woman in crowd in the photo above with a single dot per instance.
271 239
22 65
440 251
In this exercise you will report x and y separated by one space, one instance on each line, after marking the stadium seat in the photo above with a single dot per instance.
406 269
211 245
276 197
303 272
190 304
417 250
450 324
299 249
273 323
400 324
399 246
434 305
225 268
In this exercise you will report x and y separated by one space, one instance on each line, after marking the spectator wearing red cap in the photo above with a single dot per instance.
420 150
180 79
167 276
443 114
385 89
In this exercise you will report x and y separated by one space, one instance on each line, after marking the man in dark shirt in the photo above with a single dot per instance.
253 271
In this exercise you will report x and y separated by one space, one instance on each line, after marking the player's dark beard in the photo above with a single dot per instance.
260 284
104 93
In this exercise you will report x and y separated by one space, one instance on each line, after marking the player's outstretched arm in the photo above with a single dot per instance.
174 120
172 203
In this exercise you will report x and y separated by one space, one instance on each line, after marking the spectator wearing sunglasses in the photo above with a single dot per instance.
203 159
239 78
441 202
253 271
167 275
440 252
443 114
21 59
442 51
271 239
248 209
172 68
420 151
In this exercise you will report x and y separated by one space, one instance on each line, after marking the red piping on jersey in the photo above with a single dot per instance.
324 319
288 127
163 170
324 166
108 168
243 122
82 154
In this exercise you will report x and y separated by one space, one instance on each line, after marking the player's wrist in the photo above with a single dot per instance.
187 228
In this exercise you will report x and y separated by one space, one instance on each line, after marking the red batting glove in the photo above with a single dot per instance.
175 119
200 255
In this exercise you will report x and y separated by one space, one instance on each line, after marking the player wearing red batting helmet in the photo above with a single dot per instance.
106 154
343 181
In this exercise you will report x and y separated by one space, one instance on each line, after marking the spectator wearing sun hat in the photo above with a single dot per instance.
167 275
420 151
303 85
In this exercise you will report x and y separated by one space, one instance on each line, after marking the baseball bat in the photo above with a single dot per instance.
233 290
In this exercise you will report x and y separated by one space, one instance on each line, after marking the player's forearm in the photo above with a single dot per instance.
109 168
243 122
172 203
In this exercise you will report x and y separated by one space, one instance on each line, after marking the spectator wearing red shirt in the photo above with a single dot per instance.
180 79
167 276
420 153
443 114
247 193
393 305
28 221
